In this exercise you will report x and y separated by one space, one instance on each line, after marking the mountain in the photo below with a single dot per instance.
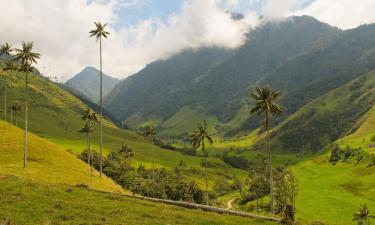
334 115
87 82
55 114
216 91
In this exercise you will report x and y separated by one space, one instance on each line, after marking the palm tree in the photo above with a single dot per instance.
89 117
150 131
265 104
27 57
126 151
16 107
5 50
363 216
9 66
98 33
197 139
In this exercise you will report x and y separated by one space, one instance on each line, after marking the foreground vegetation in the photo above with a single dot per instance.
62 204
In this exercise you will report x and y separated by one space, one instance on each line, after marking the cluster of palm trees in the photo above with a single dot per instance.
23 61
89 117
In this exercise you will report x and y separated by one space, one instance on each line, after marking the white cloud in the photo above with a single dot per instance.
60 32
59 29
345 14
277 9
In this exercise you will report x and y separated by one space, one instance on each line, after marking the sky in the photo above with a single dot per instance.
142 31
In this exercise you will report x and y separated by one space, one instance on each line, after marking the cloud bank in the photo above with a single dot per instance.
59 29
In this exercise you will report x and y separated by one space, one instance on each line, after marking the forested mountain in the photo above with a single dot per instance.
329 117
300 56
87 83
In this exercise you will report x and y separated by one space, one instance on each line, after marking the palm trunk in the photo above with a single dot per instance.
153 164
26 118
15 118
5 102
11 116
101 109
270 164
87 148
91 158
205 169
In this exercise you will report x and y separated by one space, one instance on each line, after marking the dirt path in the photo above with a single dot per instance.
229 203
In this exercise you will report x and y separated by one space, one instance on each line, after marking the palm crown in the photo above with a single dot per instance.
149 131
265 102
16 106
25 55
89 115
10 66
87 128
99 31
5 49
126 150
200 134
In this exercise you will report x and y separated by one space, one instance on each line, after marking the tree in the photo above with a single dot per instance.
285 194
197 139
27 57
5 50
363 216
150 131
98 33
16 107
9 66
265 104
126 151
89 117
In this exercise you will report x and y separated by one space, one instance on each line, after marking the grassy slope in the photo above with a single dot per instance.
48 162
331 193
363 136
56 115
49 181
61 204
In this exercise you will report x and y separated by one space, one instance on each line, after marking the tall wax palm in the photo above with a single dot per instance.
197 139
150 131
363 216
89 117
5 50
15 107
98 33
266 104
27 57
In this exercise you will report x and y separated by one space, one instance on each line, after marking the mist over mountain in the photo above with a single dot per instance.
300 56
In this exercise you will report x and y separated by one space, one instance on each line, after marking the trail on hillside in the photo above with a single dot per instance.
229 203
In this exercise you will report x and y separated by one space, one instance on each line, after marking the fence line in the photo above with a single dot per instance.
202 207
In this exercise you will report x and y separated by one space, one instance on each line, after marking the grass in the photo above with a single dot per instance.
62 204
363 136
48 162
332 194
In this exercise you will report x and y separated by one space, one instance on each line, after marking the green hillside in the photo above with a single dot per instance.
211 83
51 180
55 115
329 117
48 162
